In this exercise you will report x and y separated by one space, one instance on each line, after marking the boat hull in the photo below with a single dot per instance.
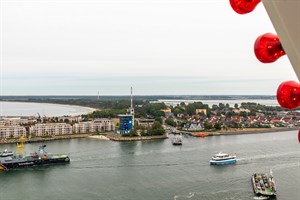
222 162
177 143
32 162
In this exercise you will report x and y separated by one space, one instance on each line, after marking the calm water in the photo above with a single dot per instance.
31 109
154 170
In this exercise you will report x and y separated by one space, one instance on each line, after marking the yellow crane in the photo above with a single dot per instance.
20 146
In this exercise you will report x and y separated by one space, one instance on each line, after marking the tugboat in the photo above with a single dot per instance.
263 184
222 159
40 157
177 140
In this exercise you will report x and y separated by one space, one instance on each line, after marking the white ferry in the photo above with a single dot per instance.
222 159
177 140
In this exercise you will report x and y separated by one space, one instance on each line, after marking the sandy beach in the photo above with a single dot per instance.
23 108
99 137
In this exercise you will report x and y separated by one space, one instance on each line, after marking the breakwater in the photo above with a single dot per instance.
110 136
117 137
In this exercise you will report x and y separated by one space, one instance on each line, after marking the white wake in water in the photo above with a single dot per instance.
190 195
261 197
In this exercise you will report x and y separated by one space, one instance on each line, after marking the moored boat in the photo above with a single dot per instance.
6 153
263 184
222 159
40 157
201 135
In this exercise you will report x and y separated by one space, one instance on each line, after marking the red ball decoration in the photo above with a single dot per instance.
288 94
268 48
243 6
299 136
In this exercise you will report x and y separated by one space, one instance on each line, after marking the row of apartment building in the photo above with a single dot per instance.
98 125
25 120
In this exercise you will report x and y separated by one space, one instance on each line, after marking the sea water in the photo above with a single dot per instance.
43 109
157 170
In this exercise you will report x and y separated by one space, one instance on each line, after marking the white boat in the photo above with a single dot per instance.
6 153
222 159
177 140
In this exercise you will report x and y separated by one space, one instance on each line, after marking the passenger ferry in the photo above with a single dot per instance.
222 159
177 140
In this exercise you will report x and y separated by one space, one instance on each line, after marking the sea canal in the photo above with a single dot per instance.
157 170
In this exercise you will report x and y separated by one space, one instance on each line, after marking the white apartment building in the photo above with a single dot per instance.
145 122
50 129
12 131
98 125
14 121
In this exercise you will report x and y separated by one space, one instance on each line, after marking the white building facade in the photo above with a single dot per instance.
98 125
50 129
12 131
14 121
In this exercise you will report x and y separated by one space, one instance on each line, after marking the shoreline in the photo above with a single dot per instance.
247 131
40 139
103 136
116 137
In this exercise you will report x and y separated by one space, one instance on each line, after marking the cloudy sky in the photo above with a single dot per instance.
80 47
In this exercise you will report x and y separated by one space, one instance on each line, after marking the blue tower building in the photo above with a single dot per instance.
125 123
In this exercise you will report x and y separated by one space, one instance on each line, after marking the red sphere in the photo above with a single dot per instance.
288 94
243 6
299 136
268 48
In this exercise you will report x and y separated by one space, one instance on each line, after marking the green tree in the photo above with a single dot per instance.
229 114
170 122
217 126
156 129
207 126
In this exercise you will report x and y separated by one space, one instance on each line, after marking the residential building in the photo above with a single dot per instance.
14 121
12 131
50 129
204 111
98 125
193 126
145 122
77 118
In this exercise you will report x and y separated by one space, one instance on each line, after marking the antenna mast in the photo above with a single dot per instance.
131 97
131 109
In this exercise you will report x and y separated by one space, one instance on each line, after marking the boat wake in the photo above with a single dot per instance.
220 195
190 195
265 156
261 197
